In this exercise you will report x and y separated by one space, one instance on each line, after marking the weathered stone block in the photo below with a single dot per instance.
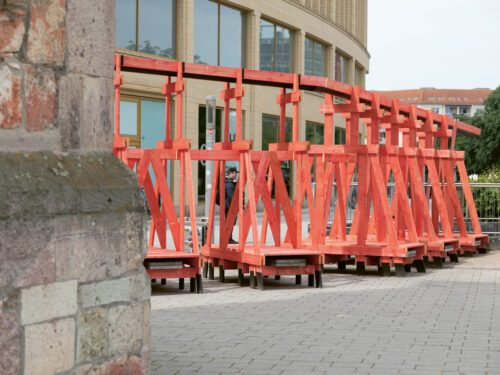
101 237
47 32
123 365
146 361
22 242
42 269
49 348
45 302
146 325
91 20
136 240
11 37
125 328
131 288
85 122
10 347
40 91
11 114
92 335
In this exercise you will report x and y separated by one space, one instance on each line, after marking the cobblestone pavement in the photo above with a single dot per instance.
446 321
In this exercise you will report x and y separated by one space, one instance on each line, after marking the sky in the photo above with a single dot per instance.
447 44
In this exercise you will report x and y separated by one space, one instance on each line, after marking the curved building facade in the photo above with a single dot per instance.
313 37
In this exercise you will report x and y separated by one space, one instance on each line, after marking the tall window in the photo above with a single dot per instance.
276 48
314 58
341 66
146 26
270 134
359 76
219 34
315 133
339 136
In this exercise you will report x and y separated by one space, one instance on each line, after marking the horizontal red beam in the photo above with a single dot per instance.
276 79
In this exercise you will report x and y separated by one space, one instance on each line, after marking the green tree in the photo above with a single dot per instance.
483 153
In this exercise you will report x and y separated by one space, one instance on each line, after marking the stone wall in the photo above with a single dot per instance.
74 296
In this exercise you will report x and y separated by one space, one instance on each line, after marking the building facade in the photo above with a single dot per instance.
313 37
443 101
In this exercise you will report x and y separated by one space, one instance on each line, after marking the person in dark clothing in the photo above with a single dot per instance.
230 186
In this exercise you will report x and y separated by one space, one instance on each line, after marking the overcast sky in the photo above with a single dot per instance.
448 44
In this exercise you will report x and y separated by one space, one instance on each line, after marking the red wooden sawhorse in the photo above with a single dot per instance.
160 262
257 258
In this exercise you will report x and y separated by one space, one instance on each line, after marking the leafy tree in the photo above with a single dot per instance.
483 153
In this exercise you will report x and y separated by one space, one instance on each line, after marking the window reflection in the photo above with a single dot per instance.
218 34
341 68
156 34
314 58
125 36
315 133
155 29
275 48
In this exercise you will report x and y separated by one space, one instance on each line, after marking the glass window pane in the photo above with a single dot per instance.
206 15
309 50
266 46
288 129
231 37
125 13
310 132
319 69
269 131
152 123
283 50
128 118
320 134
157 27
344 69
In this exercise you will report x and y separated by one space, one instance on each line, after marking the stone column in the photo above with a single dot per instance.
74 296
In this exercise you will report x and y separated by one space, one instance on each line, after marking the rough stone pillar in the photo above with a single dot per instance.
74 296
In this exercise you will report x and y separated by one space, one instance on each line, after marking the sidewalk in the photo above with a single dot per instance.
446 321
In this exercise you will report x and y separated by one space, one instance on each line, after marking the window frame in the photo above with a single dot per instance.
346 58
315 132
324 47
243 32
292 47
137 44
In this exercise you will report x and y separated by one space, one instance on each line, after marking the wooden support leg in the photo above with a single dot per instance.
277 277
341 265
419 264
400 270
482 250
199 284
260 281
240 277
192 284
360 268
211 271
252 280
438 262
221 274
407 267
298 279
453 257
310 280
319 279
205 270
468 253
426 261
385 269
163 281
181 284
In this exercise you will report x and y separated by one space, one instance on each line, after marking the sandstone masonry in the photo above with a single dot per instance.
74 296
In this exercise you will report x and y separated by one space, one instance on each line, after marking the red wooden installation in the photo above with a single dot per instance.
161 262
417 224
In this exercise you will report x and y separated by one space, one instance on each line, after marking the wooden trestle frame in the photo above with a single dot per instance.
407 230
162 263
